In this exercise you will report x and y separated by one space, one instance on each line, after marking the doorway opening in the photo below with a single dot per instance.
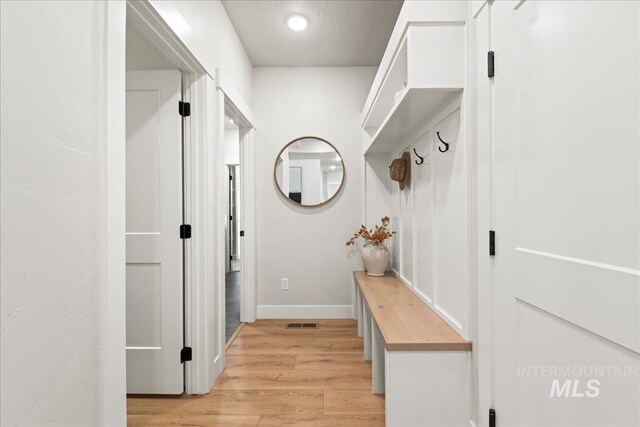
233 264
154 263
236 195
198 204
168 315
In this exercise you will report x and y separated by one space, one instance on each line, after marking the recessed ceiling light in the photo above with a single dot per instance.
297 22
333 166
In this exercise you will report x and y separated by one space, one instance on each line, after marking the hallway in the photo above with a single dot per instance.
279 377
451 186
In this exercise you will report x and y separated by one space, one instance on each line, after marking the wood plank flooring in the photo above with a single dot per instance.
279 377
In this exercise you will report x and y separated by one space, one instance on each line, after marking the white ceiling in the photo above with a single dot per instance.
340 33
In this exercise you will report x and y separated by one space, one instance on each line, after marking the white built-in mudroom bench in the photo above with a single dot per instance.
418 361
417 320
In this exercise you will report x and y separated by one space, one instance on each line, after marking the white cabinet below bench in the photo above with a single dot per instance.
419 362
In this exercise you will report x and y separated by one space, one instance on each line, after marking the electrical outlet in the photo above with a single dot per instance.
285 284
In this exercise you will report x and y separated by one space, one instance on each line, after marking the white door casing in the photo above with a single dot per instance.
154 269
483 316
248 225
566 97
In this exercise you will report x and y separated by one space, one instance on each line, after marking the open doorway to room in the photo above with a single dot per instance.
233 262
154 211
236 196
171 174
237 132
198 203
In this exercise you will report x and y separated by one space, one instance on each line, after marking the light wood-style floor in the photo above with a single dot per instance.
279 377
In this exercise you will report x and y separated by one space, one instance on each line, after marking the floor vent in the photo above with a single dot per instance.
301 325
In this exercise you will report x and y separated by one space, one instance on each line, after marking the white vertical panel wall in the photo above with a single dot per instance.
424 188
406 215
54 223
430 216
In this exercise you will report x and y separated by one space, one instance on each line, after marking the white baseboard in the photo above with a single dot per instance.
305 312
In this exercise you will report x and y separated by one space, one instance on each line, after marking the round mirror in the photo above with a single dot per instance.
309 171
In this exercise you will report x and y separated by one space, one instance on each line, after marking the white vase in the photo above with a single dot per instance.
376 259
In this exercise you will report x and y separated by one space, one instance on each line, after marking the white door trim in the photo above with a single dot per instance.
248 245
235 107
484 307
114 329
223 83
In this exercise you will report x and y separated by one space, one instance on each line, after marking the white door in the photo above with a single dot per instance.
154 247
567 212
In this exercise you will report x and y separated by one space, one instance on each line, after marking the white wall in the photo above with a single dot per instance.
205 29
331 182
58 355
231 146
311 180
307 245
54 130
142 54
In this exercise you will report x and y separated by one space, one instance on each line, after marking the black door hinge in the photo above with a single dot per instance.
242 233
184 108
186 354
492 243
492 417
230 257
491 64
185 231
230 177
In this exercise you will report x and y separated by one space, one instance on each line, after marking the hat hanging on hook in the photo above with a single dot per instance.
400 170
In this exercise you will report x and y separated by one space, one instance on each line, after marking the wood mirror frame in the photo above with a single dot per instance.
275 167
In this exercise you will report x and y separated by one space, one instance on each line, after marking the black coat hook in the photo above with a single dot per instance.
446 145
419 156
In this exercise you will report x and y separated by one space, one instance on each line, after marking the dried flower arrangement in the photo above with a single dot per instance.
374 236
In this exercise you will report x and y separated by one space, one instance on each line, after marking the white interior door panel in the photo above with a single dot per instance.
567 212
154 270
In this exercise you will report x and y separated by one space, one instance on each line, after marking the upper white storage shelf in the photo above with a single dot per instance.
426 74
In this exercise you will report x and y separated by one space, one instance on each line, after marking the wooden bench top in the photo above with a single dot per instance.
406 323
